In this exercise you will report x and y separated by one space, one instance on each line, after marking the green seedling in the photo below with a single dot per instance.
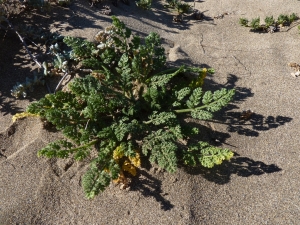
255 24
182 7
269 21
270 24
293 17
144 4
244 22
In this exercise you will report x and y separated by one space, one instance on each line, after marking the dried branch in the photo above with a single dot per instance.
23 42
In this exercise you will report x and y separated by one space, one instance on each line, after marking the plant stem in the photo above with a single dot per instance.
86 145
23 42
189 110
59 83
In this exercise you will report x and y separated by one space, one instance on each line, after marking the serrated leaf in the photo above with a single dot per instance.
201 114
207 97
162 117
95 181
194 99
181 94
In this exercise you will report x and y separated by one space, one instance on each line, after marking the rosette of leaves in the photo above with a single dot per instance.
181 6
269 21
132 112
286 20
255 24
144 4
244 22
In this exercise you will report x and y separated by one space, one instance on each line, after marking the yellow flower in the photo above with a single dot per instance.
127 166
136 161
198 82
118 153
201 77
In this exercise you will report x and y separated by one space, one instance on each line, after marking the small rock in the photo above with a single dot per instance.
178 18
198 15
297 74
272 29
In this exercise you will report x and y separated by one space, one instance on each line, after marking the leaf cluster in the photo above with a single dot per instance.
59 64
144 4
181 6
130 107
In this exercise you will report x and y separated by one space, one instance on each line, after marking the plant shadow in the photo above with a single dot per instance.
253 125
150 186
239 121
8 106
241 166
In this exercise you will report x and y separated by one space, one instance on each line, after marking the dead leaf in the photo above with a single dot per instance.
246 114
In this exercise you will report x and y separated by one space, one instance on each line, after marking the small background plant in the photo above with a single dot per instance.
271 25
144 4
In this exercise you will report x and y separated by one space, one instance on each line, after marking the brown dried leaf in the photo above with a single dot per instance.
245 115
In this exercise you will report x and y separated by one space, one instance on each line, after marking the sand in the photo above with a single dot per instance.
260 185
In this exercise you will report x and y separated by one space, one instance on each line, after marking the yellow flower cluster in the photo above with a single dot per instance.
118 153
136 161
199 81
129 164
22 115
98 75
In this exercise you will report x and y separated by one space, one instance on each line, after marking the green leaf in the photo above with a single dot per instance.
95 181
255 24
63 149
162 149
211 156
121 130
164 154
243 22
207 98
201 114
160 80
181 94
205 155
194 99
161 118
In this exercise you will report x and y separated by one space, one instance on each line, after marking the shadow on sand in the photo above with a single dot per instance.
241 166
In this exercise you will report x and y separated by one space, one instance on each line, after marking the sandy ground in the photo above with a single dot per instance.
259 186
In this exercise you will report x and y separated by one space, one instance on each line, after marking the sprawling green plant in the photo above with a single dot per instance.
128 110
